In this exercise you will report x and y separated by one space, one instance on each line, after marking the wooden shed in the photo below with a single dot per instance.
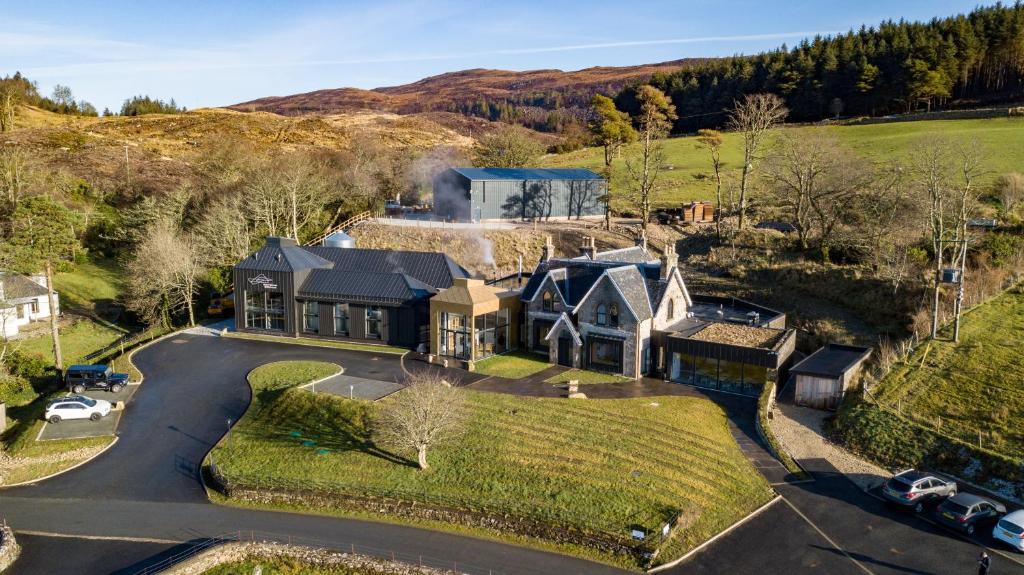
823 377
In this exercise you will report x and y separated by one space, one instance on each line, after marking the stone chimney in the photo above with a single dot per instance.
641 240
669 260
588 248
548 251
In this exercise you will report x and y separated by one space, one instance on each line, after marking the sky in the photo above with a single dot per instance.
207 53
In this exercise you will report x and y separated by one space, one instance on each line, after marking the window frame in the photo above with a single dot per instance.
601 314
547 301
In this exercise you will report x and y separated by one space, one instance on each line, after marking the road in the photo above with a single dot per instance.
142 499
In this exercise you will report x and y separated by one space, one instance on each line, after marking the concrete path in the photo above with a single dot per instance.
356 387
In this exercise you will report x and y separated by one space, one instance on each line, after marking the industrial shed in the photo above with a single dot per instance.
823 377
479 194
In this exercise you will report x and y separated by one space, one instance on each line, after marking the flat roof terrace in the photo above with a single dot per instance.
731 310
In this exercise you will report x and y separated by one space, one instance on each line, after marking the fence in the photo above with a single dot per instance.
267 537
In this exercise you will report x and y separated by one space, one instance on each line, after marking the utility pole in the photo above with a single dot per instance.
127 168
960 260
959 305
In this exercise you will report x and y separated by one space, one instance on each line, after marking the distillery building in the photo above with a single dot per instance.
482 194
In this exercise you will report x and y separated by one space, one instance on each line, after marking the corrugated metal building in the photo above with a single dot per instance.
478 194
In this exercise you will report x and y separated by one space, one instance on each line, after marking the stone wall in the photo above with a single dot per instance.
310 556
9 549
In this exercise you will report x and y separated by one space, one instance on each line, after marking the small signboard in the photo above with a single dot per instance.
639 534
950 276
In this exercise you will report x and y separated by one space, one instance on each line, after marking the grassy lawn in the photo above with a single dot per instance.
320 342
90 283
971 387
587 377
292 566
999 136
597 468
76 341
515 365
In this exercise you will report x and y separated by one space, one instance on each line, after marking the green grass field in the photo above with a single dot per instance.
89 283
78 340
971 387
586 377
515 365
595 466
1002 138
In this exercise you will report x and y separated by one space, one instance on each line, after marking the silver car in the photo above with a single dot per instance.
916 490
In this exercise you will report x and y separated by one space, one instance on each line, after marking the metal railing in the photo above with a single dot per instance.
344 226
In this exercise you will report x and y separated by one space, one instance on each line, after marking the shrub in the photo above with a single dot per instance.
27 365
12 386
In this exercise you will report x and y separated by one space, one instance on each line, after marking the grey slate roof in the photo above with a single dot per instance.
17 286
633 254
504 174
363 287
633 286
432 268
282 255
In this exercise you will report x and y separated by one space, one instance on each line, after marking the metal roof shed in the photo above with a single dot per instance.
823 377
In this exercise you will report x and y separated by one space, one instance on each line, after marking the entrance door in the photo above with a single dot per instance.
565 351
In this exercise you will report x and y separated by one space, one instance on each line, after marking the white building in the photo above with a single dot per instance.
22 300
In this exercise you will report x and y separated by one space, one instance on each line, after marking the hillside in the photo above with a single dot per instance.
687 168
477 92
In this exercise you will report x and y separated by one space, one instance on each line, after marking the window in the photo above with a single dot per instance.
491 333
613 315
454 335
341 319
602 314
671 312
310 317
34 306
605 354
21 311
540 335
374 322
547 303
264 310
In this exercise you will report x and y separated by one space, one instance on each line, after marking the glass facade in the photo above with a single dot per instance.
264 310
605 354
491 333
453 338
310 317
341 319
718 374
374 322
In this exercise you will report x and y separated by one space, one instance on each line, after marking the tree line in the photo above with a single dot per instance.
898 67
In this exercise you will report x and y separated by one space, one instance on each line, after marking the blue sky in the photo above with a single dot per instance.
220 53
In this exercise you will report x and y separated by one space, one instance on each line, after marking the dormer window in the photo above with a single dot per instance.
613 315
671 312
602 314
547 301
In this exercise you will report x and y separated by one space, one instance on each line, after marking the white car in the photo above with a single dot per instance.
1010 530
76 407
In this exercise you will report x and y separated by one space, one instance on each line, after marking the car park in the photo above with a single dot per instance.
917 490
1010 530
76 407
82 378
966 512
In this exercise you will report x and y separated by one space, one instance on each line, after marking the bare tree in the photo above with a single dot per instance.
654 120
8 105
754 117
306 190
262 199
18 174
225 234
711 140
427 412
164 275
1009 190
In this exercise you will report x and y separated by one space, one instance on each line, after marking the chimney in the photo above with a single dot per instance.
588 248
548 251
669 260
641 240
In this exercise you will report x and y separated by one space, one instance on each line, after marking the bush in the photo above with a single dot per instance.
28 365
1005 248
12 386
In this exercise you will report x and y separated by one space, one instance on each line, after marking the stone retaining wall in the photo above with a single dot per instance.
310 556
9 549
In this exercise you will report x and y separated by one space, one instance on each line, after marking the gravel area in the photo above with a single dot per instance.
800 430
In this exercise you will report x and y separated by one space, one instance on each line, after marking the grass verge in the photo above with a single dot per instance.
765 429
586 377
294 566
571 475
320 342
515 365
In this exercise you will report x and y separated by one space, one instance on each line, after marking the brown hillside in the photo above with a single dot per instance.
546 89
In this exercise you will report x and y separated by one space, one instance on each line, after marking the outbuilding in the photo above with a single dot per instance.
480 194
823 377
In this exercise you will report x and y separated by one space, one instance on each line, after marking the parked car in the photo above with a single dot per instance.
966 512
76 407
916 490
85 377
1010 530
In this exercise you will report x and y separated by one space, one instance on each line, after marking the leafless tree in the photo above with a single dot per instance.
8 105
654 120
424 414
754 117
1009 190
306 190
711 140
163 275
262 199
18 174
225 234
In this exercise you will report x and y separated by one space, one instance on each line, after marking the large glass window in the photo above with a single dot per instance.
605 354
454 335
374 322
491 333
705 371
540 335
310 317
264 310
341 319
730 376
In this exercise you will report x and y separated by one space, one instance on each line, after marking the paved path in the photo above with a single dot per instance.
345 385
